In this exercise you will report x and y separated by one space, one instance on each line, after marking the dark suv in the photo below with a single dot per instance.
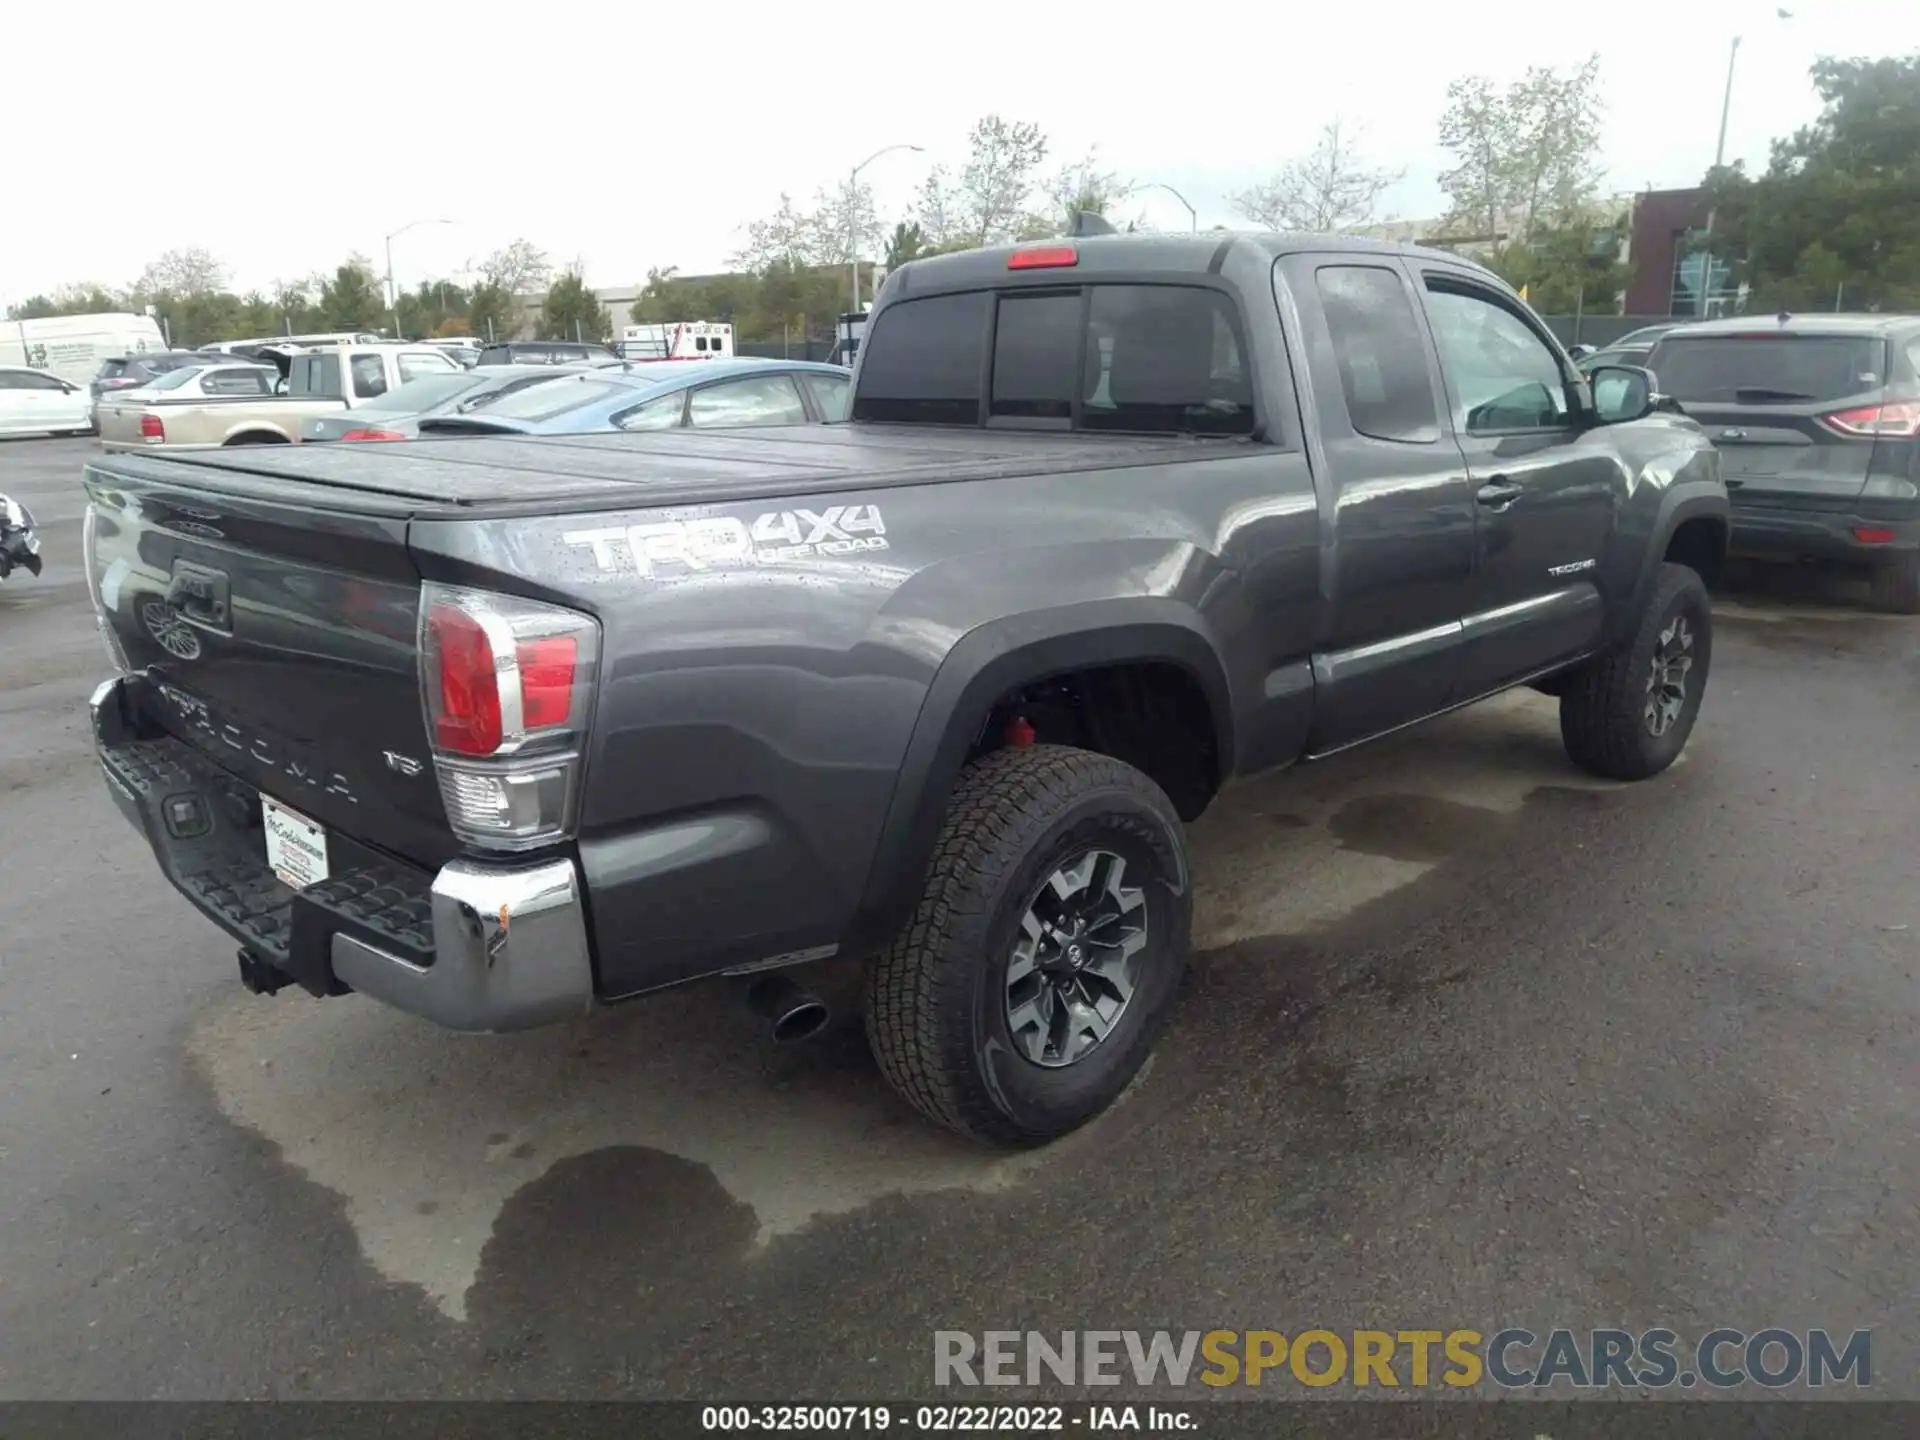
1817 420
545 352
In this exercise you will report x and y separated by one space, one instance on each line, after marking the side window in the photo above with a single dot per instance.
10 380
38 382
1036 354
1501 374
235 382
412 367
1165 358
833 394
369 376
923 361
758 400
662 414
1380 351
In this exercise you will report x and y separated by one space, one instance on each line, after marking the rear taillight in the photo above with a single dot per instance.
371 435
151 428
1898 420
508 689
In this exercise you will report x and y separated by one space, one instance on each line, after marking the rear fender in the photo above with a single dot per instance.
984 665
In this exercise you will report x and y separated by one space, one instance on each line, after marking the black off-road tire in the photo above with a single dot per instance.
1602 709
936 997
1896 584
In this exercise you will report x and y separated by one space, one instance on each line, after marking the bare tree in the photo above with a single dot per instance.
1082 185
1477 127
789 236
847 217
518 268
1527 156
935 210
189 271
996 184
1330 188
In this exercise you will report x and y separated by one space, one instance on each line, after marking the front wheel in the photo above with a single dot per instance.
1039 966
1627 714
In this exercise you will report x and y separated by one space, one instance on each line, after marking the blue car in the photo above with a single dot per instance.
662 395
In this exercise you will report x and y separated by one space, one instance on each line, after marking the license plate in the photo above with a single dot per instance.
1743 460
296 847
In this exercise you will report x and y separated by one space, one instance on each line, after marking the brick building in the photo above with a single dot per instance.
1669 277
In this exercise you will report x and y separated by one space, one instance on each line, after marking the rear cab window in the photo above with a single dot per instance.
1770 369
1159 358
315 375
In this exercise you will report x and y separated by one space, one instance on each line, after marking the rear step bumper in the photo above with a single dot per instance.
1776 532
478 946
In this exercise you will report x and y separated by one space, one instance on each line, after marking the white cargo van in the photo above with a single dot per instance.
73 347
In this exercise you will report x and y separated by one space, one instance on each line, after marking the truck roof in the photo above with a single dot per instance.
1194 254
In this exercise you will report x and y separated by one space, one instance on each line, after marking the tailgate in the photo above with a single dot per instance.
281 641
1768 400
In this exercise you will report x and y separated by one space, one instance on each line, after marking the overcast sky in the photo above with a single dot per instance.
281 138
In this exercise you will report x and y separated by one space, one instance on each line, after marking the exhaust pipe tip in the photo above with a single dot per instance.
792 1014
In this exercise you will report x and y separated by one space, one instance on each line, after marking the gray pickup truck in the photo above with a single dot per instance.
499 730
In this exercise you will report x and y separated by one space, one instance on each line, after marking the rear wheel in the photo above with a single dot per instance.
1896 584
1627 714
1042 959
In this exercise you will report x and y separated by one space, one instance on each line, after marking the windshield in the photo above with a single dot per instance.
174 379
416 397
1764 369
552 398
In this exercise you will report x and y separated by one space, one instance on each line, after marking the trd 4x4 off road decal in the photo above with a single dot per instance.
726 540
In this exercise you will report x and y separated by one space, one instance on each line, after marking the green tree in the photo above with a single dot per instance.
572 311
493 313
1571 269
1834 221
351 299
433 308
86 299
907 242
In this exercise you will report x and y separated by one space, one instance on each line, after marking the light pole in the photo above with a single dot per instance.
1720 154
1726 104
853 215
1192 214
393 293
1726 98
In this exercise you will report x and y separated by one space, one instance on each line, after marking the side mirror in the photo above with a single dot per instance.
1579 352
1623 392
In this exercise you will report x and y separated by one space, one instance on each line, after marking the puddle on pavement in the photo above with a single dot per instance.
724 1143
1424 829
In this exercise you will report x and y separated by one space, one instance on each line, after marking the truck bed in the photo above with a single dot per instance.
549 474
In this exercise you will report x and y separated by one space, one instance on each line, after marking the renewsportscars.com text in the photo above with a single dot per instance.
1511 1359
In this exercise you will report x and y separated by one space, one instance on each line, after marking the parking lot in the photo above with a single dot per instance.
1470 1041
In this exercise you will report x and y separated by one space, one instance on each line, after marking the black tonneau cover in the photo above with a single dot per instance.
585 472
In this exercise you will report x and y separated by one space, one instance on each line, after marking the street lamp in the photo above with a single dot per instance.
1192 214
853 215
393 292
1726 98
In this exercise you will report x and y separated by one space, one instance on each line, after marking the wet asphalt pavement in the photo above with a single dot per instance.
1471 1041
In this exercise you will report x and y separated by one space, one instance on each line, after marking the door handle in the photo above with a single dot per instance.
1498 492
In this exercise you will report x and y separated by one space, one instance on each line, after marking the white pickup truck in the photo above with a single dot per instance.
190 414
